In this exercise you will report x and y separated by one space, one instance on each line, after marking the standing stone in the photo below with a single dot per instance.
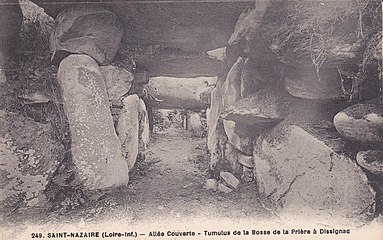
231 88
88 30
128 129
361 122
3 78
194 124
212 119
144 131
372 160
300 175
95 147
118 82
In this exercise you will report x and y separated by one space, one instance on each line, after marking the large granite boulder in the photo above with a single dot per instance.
96 149
194 26
28 158
269 105
118 82
128 129
362 122
88 30
171 62
301 174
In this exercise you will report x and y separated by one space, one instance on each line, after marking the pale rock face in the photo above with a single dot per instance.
229 179
28 158
96 149
361 122
128 129
300 175
88 30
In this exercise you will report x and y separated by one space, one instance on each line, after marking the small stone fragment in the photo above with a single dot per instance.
229 179
224 189
211 184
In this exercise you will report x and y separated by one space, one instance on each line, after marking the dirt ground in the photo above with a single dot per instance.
167 187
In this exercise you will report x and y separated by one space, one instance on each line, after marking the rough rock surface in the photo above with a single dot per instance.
171 62
170 92
95 147
118 82
28 158
372 160
267 106
229 179
88 30
361 122
305 82
230 160
128 129
250 78
300 175
247 174
239 137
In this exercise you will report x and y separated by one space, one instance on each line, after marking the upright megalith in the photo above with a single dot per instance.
96 149
128 129
3 78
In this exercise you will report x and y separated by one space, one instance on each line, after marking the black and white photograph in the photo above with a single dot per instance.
191 119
